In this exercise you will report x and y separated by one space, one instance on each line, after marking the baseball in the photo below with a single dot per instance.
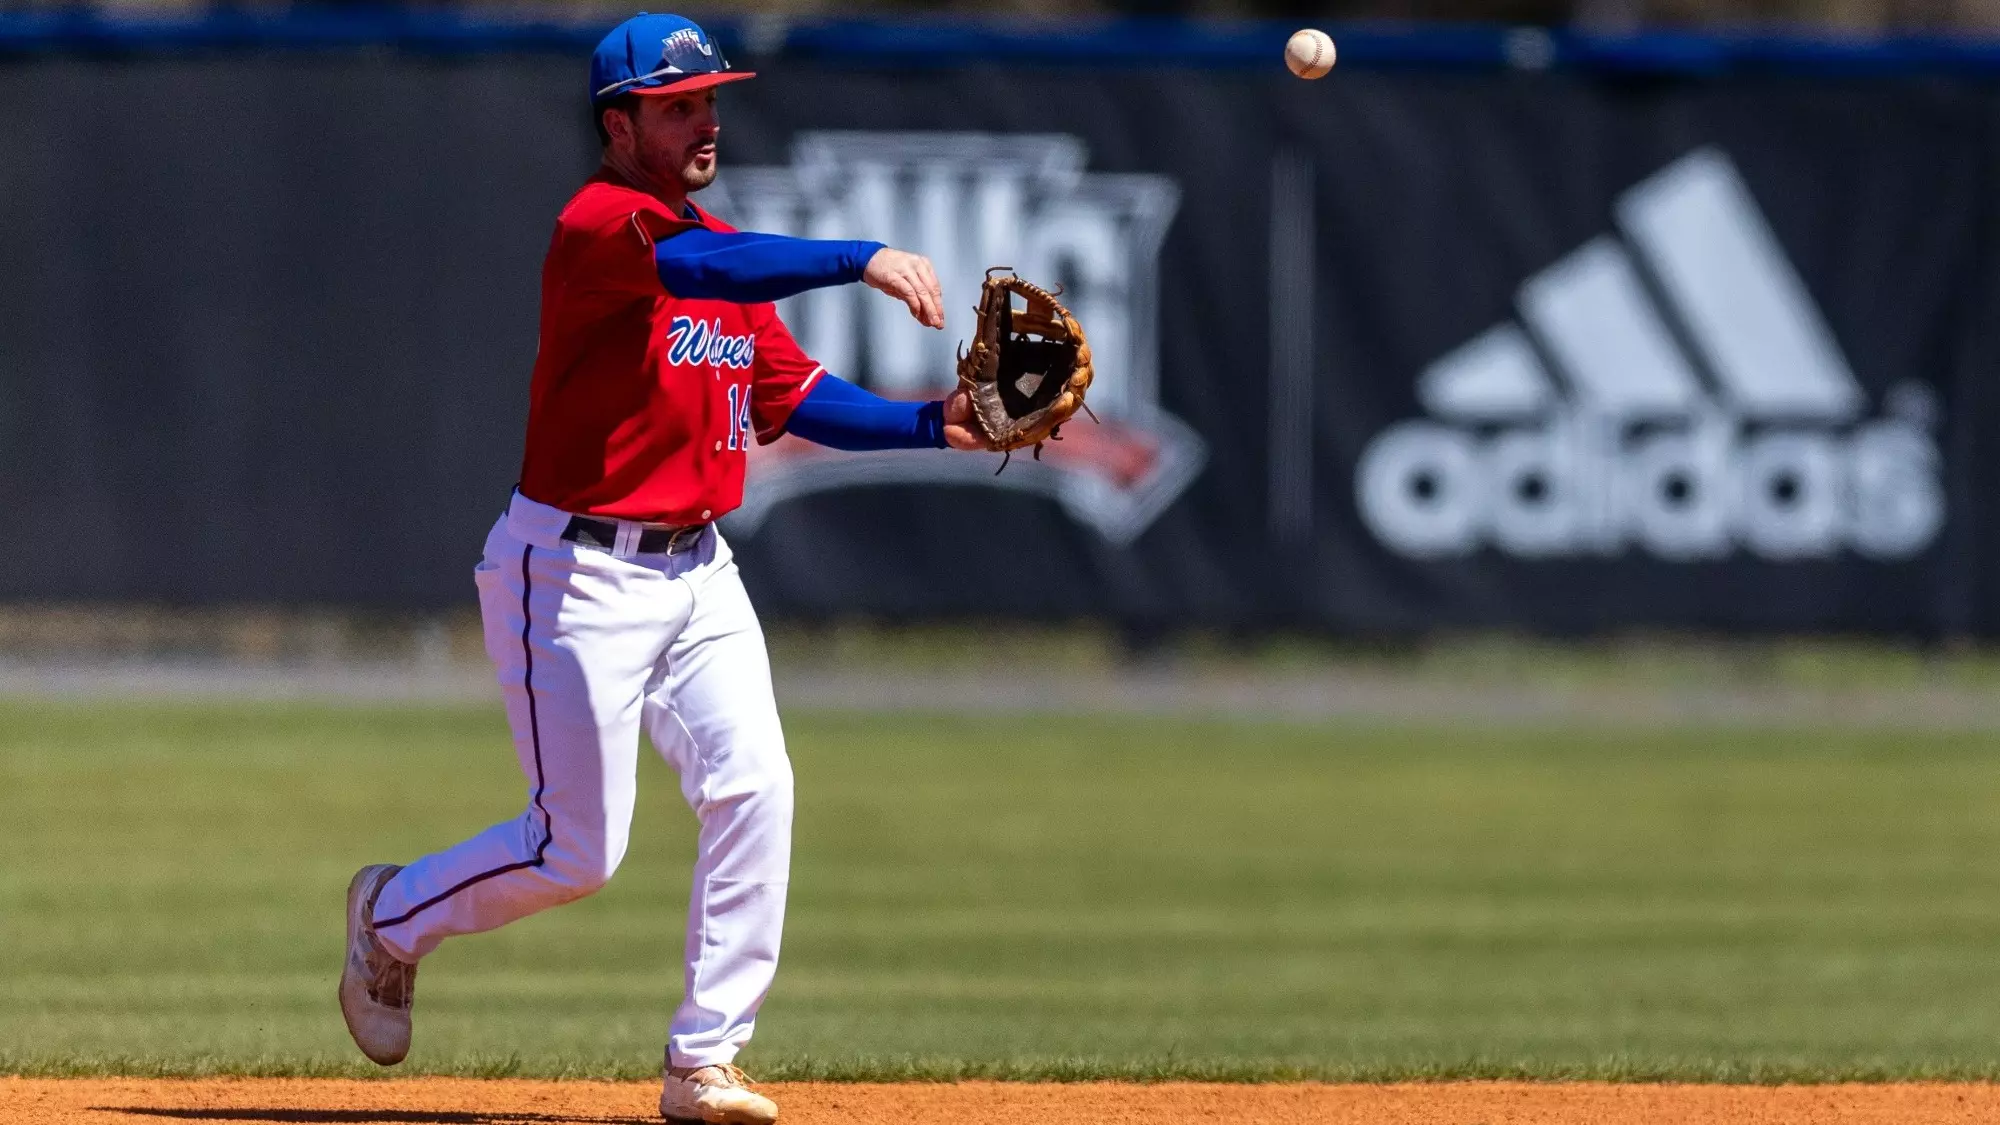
1309 53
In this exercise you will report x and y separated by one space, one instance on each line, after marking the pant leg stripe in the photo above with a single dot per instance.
534 722
534 738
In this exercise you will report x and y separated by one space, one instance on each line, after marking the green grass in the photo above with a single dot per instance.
1065 899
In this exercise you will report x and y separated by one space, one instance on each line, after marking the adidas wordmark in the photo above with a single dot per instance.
1750 436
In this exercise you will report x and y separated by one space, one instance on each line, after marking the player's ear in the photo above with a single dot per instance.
614 121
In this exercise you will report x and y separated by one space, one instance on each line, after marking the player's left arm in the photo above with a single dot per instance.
790 393
748 268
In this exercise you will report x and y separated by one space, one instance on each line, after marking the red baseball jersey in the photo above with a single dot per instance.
642 403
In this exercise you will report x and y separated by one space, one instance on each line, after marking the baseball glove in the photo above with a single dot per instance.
1026 370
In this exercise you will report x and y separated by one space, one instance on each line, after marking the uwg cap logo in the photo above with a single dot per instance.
969 201
1635 450
678 51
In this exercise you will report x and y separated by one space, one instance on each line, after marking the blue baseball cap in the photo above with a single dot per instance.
661 54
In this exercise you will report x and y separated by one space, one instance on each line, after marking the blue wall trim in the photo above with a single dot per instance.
1126 42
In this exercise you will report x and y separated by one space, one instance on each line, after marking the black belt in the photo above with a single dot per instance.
603 534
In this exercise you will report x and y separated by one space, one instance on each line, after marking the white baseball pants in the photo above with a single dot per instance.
591 646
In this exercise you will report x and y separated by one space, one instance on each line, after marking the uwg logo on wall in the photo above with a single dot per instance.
969 201
1704 408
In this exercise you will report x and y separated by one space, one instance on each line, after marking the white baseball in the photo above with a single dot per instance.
1309 53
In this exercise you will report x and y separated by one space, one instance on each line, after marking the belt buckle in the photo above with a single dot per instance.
684 538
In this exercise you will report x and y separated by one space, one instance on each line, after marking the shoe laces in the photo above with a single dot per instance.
731 1075
394 982
735 1075
391 983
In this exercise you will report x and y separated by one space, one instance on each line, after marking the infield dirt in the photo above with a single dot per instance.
442 1101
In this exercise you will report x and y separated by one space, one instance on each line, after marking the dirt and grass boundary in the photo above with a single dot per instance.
458 1101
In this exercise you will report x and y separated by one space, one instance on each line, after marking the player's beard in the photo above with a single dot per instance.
694 177
660 166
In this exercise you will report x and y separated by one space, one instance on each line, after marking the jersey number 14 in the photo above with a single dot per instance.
739 416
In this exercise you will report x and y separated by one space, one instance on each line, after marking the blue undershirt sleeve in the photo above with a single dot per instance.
840 415
748 268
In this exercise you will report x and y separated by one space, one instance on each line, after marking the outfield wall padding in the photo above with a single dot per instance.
1398 351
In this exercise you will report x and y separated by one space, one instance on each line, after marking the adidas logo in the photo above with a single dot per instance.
1704 408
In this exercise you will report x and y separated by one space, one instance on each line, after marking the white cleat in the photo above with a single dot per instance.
718 1094
376 990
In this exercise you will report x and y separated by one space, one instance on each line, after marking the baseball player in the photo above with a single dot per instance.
611 604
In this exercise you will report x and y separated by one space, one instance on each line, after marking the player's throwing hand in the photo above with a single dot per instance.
908 278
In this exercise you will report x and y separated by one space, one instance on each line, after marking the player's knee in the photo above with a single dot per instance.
581 875
770 780
773 788
757 781
583 858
